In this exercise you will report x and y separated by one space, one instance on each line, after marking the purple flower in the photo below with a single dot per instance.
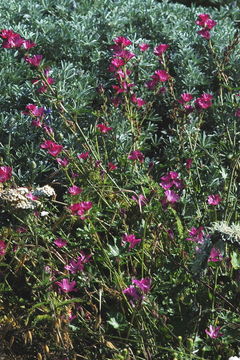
78 265
144 284
131 291
74 190
66 286
2 248
59 242
171 196
213 332
215 255
5 173
171 179
143 47
214 199
136 155
63 162
131 240
197 235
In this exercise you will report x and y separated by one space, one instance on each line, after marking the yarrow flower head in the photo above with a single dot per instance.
5 173
213 332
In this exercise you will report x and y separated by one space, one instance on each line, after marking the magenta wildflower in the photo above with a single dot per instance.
188 163
144 284
196 234
5 173
124 54
62 162
160 49
117 62
27 44
80 208
213 332
204 101
83 155
143 47
185 97
34 110
77 265
59 242
122 42
205 21
204 33
131 239
171 179
75 190
103 128
111 166
136 155
35 60
53 148
171 196
12 40
2 248
139 101
215 255
160 75
214 199
137 293
140 199
66 286
31 196
131 291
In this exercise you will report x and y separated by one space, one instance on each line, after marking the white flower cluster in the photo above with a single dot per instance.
16 198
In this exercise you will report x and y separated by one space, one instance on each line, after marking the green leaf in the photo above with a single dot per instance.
235 260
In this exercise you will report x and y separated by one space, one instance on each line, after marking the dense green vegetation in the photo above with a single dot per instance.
119 174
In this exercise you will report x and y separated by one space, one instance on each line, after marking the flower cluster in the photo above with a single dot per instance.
12 40
53 148
203 102
78 264
80 208
118 65
137 291
205 21
168 181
